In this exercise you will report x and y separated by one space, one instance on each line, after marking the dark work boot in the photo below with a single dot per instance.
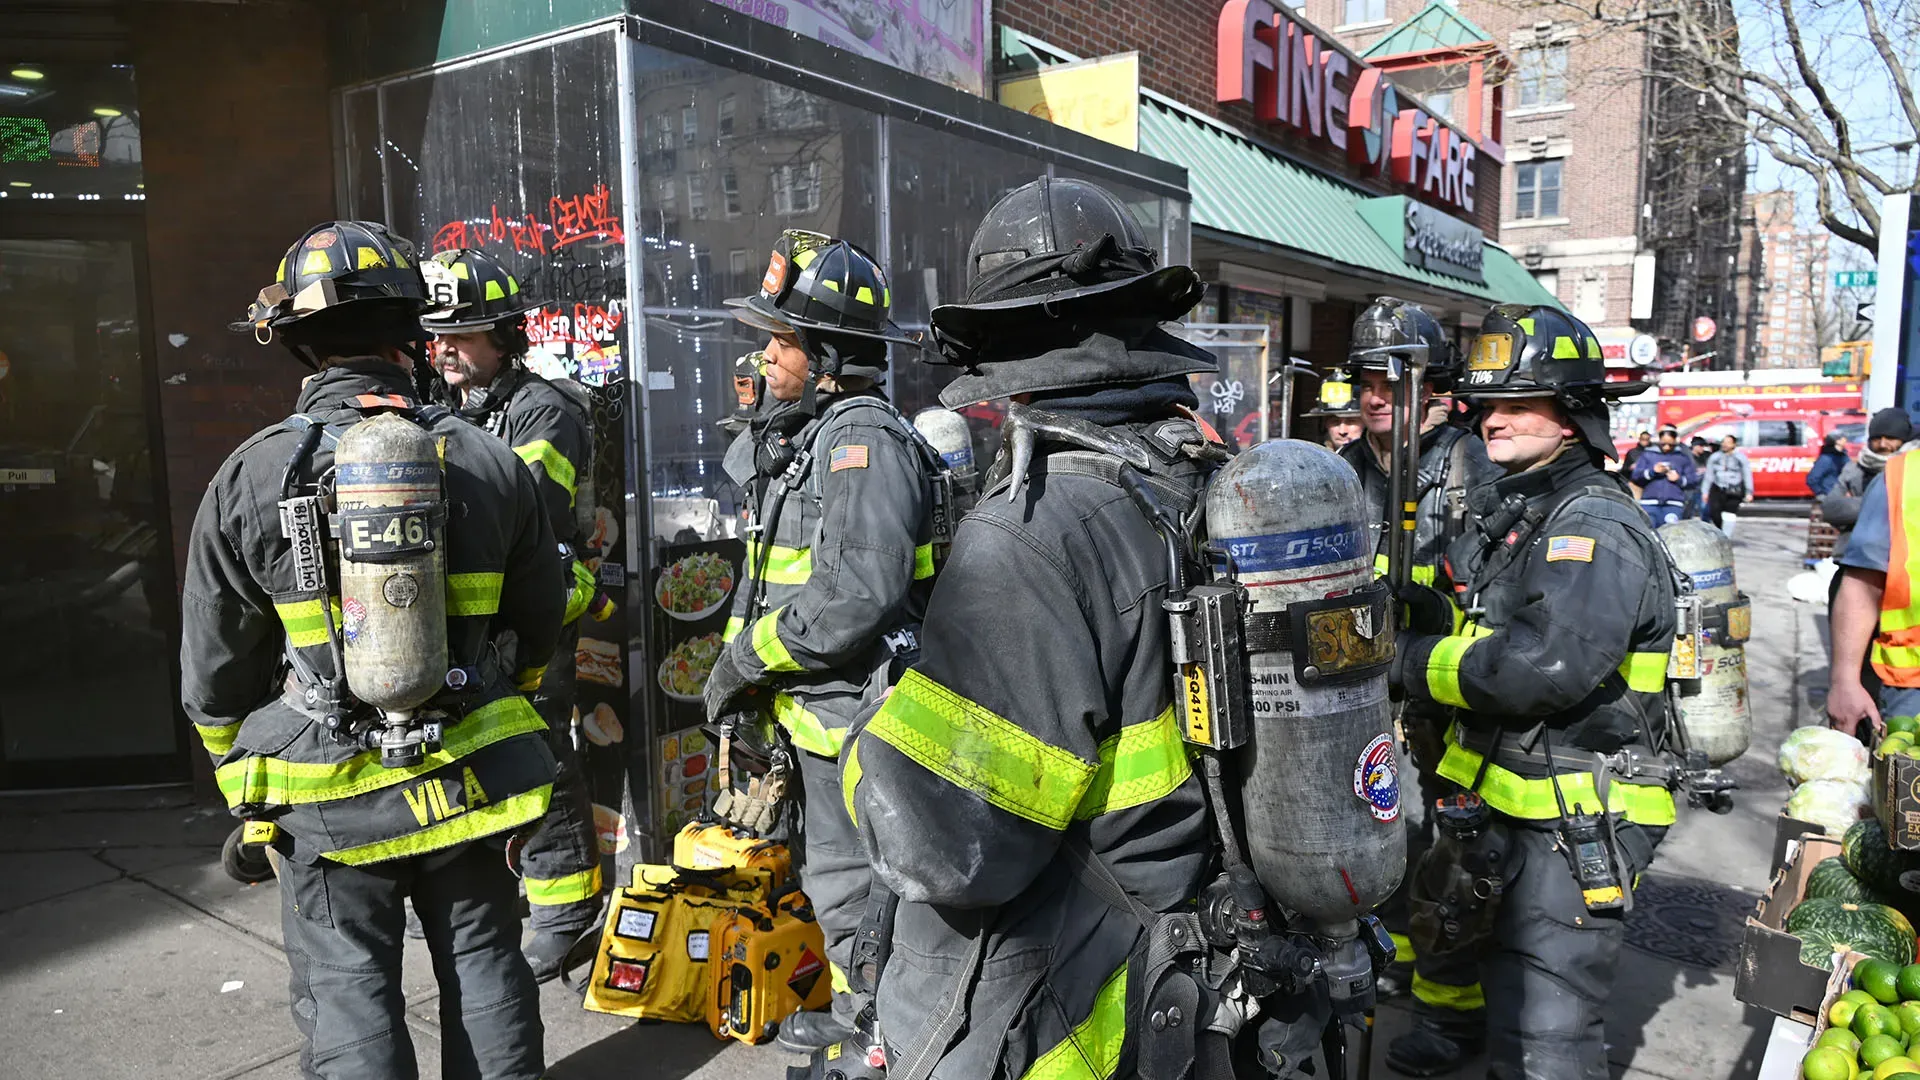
1438 1045
805 1032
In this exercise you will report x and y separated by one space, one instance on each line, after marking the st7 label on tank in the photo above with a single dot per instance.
1294 550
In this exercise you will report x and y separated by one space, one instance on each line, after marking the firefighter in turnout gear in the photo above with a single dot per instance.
839 564
367 807
480 346
1451 462
1031 764
1555 667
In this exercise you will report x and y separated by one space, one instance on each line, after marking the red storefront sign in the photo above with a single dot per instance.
1269 59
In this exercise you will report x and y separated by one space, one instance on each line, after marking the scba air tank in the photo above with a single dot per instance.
393 598
1319 782
1714 708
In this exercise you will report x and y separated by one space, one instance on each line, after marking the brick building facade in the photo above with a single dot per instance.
1572 186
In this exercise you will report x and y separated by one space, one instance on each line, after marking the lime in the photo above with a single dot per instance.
1879 1048
1871 1020
1827 1063
1879 978
1894 1066
1908 724
1841 1013
1840 1039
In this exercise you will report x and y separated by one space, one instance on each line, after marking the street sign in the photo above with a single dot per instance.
1855 279
1644 350
1704 328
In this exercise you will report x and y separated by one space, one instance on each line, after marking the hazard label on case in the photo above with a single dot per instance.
806 972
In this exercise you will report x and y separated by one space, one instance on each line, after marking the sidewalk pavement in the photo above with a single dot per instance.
125 951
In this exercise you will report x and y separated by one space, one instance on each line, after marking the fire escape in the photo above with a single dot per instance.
1694 190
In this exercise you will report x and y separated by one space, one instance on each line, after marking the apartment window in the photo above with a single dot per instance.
689 126
796 189
1543 75
730 192
697 196
1440 104
1549 280
1536 189
788 108
737 263
725 120
1360 11
664 193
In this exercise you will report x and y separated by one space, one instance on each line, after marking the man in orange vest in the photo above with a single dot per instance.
1875 614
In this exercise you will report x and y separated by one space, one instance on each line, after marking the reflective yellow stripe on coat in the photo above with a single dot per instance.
1091 1051
784 565
567 889
544 454
1896 648
1517 796
510 813
306 622
977 750
269 780
1144 762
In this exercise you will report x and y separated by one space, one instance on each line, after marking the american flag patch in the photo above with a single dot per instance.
847 457
1570 549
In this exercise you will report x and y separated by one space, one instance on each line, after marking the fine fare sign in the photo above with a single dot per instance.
1270 60
1427 237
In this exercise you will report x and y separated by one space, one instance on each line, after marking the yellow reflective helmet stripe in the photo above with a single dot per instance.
1091 1051
566 889
923 562
784 565
767 644
544 454
805 728
1445 996
1645 671
217 738
977 750
863 294
1565 348
306 622
494 291
368 258
1144 762
260 779
475 823
474 594
1517 796
317 263
1443 669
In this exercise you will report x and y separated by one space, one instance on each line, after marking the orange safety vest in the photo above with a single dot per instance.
1896 649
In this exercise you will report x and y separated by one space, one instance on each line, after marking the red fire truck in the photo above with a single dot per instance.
1779 416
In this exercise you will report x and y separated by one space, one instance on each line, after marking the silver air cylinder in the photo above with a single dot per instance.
946 431
1319 783
393 597
1714 709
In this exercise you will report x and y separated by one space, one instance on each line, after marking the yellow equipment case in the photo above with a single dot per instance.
768 963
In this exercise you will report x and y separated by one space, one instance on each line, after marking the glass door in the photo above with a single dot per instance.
87 596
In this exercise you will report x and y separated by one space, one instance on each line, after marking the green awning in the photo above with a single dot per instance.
1241 188
1437 26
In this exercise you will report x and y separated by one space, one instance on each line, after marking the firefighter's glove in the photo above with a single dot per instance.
1425 610
728 690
